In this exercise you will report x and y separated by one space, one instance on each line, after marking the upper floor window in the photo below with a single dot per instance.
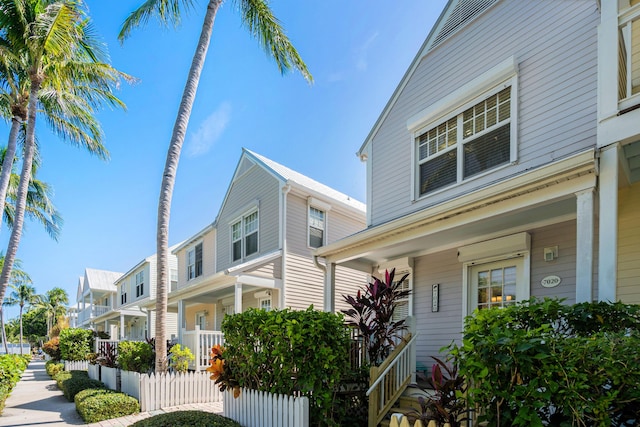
174 279
194 262
316 227
123 293
629 51
473 141
244 236
140 283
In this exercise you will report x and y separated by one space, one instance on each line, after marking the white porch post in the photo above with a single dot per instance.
608 232
181 322
584 246
121 326
330 287
237 302
91 308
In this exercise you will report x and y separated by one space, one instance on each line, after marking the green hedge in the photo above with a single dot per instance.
96 405
75 343
186 419
11 368
285 351
53 367
137 356
72 382
545 363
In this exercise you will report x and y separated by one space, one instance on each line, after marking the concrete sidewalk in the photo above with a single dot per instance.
37 401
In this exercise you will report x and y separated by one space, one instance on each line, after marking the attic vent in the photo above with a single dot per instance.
463 12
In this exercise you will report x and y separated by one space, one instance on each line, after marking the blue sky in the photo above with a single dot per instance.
357 52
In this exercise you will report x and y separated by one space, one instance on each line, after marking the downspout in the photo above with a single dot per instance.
283 230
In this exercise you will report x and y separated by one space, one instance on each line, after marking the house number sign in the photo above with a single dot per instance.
550 281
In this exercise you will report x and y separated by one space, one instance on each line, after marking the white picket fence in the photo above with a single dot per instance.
399 420
76 365
158 391
261 409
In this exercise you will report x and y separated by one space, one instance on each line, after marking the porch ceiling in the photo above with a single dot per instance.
464 233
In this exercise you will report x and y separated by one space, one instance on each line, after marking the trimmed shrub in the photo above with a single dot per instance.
52 348
53 367
61 377
75 343
96 405
187 419
11 368
72 382
289 352
137 356
545 363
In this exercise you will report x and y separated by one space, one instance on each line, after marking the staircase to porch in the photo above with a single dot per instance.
389 381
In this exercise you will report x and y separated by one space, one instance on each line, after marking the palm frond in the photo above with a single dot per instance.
168 12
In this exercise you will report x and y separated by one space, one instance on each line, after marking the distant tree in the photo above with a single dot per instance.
23 294
53 305
265 27
17 275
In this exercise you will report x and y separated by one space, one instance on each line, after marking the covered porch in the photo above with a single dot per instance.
129 324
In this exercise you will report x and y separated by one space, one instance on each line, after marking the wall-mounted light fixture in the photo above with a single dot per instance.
550 253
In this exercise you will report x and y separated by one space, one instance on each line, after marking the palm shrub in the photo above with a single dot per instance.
372 312
75 343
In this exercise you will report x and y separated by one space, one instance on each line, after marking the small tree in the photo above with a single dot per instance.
75 343
372 314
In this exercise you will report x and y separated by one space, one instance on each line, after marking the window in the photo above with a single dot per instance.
194 262
174 279
629 52
244 236
496 284
228 309
201 320
473 141
403 306
316 227
265 304
139 283
123 294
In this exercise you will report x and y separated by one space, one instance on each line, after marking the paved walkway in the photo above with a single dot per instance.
37 401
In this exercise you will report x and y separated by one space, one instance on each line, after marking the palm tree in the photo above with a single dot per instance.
17 275
263 25
67 76
23 294
53 303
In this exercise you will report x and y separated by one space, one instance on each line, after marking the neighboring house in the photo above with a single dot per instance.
506 165
131 317
258 251
95 297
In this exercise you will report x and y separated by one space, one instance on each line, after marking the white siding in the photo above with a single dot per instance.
628 290
554 43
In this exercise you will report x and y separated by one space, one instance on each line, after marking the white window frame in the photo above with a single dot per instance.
492 81
265 300
123 293
242 222
515 248
139 284
192 261
314 222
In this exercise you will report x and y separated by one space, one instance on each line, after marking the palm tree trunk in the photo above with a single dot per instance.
169 178
21 306
4 332
23 187
7 164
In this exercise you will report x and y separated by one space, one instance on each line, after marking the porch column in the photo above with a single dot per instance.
121 326
608 232
237 302
330 287
91 310
584 246
181 322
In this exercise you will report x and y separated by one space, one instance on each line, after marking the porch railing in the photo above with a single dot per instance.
200 343
101 345
390 379
91 312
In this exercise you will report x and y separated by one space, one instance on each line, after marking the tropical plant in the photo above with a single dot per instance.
17 275
23 294
52 303
58 65
179 358
264 26
108 355
135 356
372 312
52 348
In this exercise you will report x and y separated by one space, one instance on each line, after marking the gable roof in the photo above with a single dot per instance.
100 279
289 176
455 16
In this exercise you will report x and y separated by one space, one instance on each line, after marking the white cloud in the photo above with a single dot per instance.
209 131
361 62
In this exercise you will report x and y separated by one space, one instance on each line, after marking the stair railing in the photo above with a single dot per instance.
389 380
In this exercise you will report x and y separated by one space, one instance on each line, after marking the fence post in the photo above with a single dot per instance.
197 349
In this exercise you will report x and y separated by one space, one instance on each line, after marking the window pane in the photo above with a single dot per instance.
437 173
487 151
251 243
236 231
237 250
316 237
251 223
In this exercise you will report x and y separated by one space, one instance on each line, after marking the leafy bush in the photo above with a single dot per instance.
372 313
545 363
52 348
75 343
179 358
96 404
61 377
53 367
285 351
186 419
72 382
11 368
137 356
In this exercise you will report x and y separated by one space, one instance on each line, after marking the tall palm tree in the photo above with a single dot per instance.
67 73
263 25
53 303
17 275
23 294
